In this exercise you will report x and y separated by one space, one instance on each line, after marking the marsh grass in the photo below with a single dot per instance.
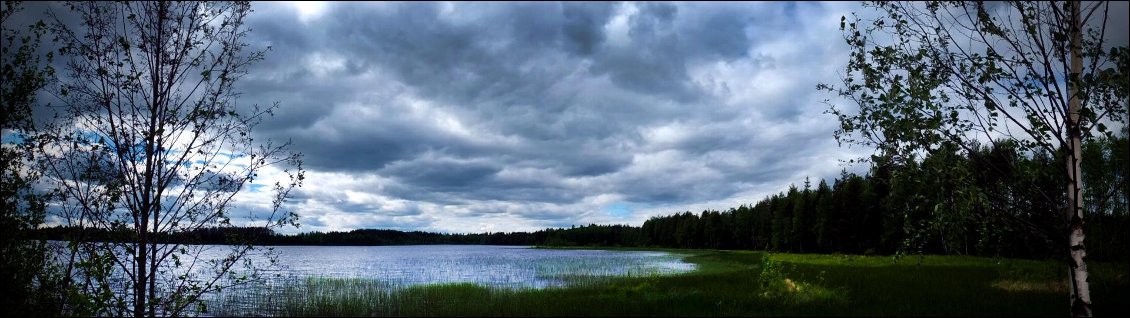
732 283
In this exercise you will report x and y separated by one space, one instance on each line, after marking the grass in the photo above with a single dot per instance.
740 283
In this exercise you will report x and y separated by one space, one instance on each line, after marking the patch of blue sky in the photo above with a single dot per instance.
622 209
11 137
92 137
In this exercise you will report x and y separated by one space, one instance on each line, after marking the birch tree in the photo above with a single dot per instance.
150 142
1042 74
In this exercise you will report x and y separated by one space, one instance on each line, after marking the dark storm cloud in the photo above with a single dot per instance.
511 116
582 26
441 174
470 117
652 63
541 112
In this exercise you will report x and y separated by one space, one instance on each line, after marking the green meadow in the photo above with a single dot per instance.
737 283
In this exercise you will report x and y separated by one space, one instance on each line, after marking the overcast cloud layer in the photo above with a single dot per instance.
469 117
473 117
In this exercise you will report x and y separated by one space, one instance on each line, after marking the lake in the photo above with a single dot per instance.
394 267
495 266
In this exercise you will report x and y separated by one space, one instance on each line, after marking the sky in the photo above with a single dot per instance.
500 117
475 117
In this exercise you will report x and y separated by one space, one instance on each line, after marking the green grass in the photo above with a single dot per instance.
739 283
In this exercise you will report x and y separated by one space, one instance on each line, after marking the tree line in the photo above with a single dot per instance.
987 203
590 235
993 201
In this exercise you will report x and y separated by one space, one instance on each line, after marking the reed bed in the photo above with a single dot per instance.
724 283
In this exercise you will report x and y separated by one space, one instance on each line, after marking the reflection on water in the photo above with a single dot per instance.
401 266
496 266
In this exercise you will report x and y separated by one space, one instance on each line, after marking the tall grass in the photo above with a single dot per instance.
729 283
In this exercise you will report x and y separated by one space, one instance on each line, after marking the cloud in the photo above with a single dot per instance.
444 116
467 117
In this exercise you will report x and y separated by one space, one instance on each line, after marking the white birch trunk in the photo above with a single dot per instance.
1080 288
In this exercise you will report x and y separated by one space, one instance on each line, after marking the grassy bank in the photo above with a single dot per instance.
733 283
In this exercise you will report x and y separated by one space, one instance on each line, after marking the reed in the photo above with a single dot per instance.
730 283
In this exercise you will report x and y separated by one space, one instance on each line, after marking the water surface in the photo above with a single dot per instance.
495 266
394 267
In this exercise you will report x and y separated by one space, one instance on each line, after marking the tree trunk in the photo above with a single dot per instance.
1080 289
139 297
